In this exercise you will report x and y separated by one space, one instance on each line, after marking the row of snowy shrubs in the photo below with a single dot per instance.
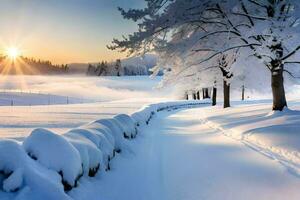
59 161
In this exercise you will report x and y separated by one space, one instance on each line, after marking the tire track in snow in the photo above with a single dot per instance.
270 152
154 162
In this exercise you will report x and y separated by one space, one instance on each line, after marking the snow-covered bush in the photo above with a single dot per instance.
115 129
19 172
148 112
128 125
91 156
12 159
144 115
137 118
99 140
102 130
55 152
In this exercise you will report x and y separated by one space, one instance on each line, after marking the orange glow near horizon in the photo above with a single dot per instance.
14 62
13 53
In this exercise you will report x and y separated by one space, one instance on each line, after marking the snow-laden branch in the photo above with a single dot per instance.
226 50
214 55
251 16
291 53
291 74
258 4
292 62
218 32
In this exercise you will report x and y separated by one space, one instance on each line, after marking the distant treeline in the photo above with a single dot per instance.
30 66
116 69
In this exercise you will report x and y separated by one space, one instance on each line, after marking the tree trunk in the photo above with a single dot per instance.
198 95
214 96
210 92
205 93
226 91
279 100
194 96
186 95
243 93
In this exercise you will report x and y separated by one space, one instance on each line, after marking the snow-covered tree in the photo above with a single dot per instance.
274 26
210 29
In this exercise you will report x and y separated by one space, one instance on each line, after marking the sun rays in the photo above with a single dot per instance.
13 53
12 63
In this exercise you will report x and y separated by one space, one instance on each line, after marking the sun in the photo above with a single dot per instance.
13 52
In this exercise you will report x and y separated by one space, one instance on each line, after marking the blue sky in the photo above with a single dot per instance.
64 30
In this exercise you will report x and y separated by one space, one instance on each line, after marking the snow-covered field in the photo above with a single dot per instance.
89 98
20 98
243 152
19 121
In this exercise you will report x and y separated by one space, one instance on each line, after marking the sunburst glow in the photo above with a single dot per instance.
13 52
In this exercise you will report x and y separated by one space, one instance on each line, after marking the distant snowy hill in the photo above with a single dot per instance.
139 65
148 61
78 68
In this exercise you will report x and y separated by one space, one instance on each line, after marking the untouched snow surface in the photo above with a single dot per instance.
178 157
18 98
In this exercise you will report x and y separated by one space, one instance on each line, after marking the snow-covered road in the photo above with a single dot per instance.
180 158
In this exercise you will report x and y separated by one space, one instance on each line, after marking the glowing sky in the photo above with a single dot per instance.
64 31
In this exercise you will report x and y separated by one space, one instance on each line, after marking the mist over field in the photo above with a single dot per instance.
87 88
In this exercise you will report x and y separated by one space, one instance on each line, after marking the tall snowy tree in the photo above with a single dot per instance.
273 25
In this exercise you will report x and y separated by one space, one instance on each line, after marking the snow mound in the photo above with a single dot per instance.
116 131
128 125
12 157
55 152
99 141
145 114
137 118
91 156
101 129
20 173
